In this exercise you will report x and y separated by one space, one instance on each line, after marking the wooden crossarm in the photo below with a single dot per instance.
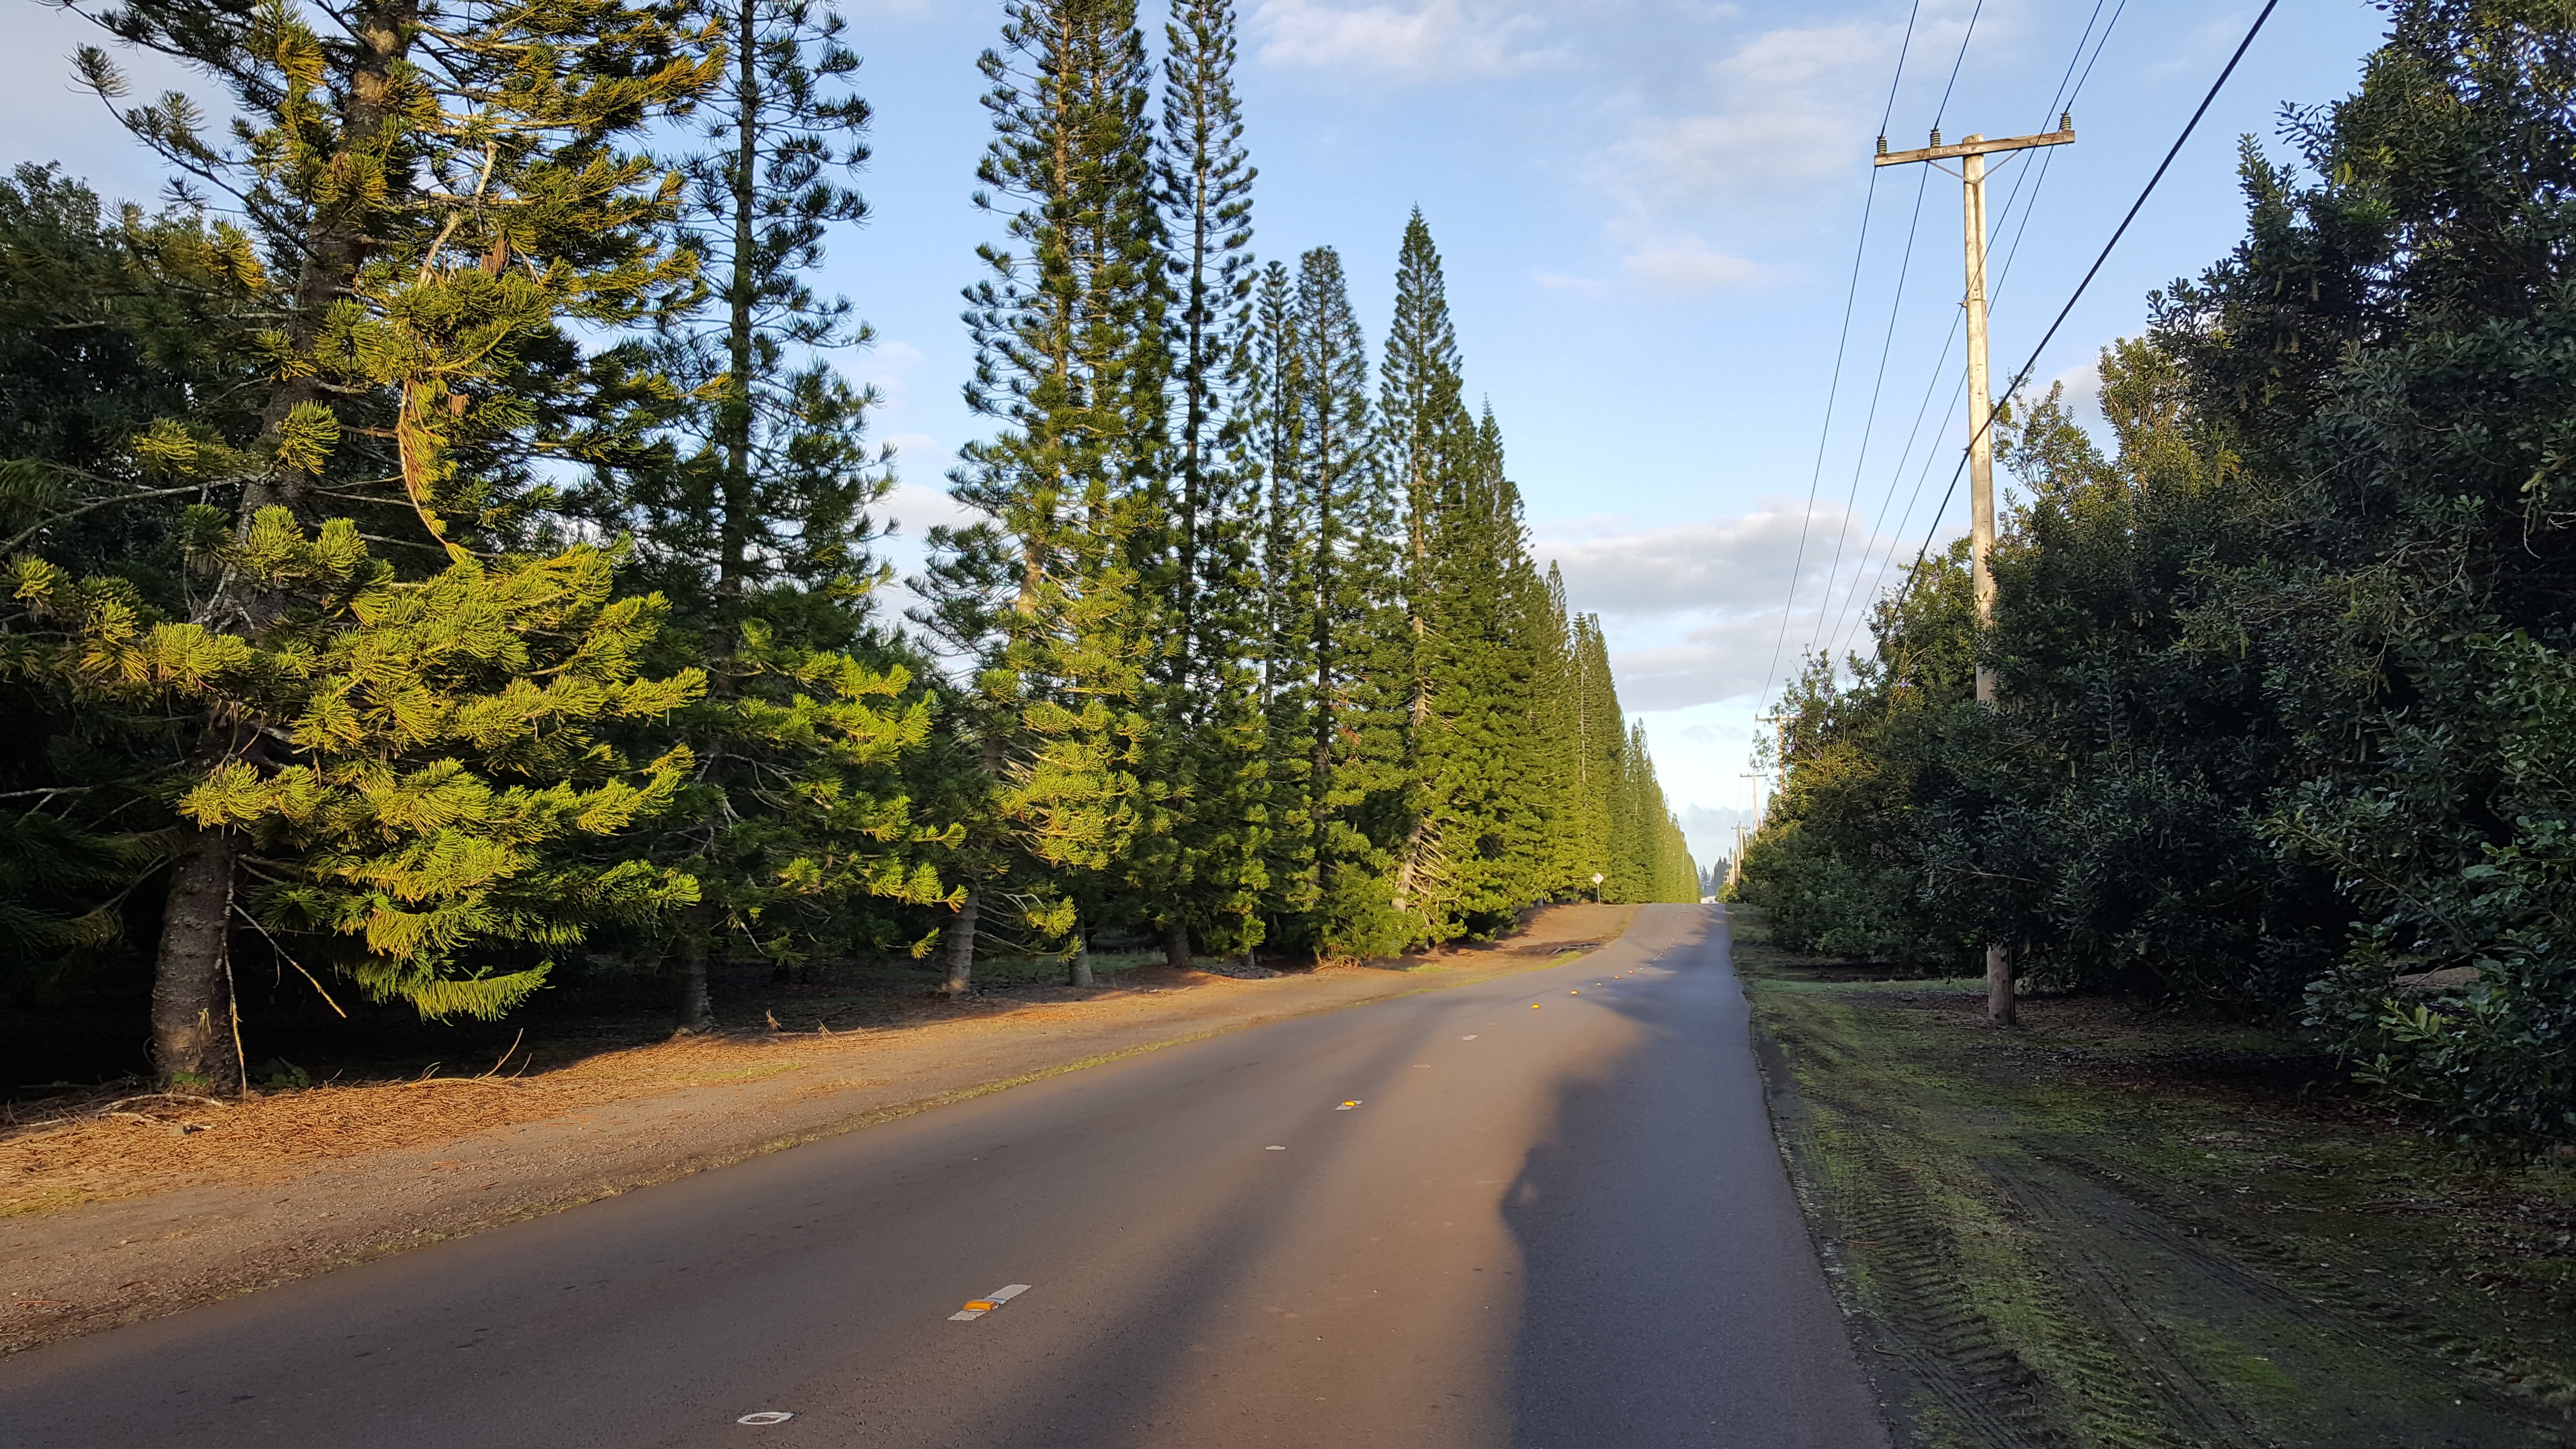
1975 146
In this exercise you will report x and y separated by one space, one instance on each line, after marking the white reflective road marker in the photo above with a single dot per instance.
1466 1038
1274 1149
766 1417
978 1307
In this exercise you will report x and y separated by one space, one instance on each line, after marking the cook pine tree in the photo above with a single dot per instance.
1272 442
1350 701
430 206
1198 865
756 519
1043 596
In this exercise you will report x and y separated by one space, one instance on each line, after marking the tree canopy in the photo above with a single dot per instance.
442 550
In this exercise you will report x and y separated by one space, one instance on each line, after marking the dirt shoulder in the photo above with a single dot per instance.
2114 1228
129 1210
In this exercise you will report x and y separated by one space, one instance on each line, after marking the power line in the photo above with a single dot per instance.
2064 97
2095 270
1833 389
1958 387
1849 622
1869 420
1887 345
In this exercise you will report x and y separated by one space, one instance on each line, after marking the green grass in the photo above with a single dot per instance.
2119 1228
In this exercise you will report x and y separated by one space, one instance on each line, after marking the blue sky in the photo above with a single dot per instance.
1649 212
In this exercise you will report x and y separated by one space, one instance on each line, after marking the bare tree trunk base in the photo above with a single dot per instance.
196 1034
2001 1008
1176 948
697 1008
961 946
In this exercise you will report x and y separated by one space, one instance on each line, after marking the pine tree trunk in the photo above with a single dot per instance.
193 1026
194 1041
734 420
697 1008
961 943
2001 1009
1078 971
1176 947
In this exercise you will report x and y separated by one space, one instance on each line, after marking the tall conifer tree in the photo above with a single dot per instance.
1600 732
1044 594
1200 868
1555 709
1331 579
437 198
756 523
1427 445
1274 445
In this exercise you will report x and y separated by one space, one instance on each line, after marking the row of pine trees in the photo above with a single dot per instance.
441 547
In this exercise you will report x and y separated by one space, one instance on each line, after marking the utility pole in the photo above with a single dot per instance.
1971 155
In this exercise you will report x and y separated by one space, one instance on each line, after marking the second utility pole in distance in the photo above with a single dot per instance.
1971 155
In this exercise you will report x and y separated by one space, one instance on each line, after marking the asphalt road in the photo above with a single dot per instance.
1564 1226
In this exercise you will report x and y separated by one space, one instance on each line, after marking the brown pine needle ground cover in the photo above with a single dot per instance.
157 1143
115 1207
2113 1227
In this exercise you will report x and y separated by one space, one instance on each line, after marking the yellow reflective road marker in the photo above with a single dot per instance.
1346 1106
978 1307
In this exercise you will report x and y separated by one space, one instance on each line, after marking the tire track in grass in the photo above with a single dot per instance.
2013 1281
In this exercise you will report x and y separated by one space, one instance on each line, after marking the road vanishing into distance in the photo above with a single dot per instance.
1544 1210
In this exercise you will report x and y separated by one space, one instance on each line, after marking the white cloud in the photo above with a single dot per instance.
1727 566
1791 106
889 366
1689 267
918 506
2083 384
1431 38
1711 830
1707 598
1561 282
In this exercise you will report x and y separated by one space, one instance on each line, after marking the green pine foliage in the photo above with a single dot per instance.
451 556
1342 600
753 517
1201 860
107 322
1046 599
430 209
407 758
1282 645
